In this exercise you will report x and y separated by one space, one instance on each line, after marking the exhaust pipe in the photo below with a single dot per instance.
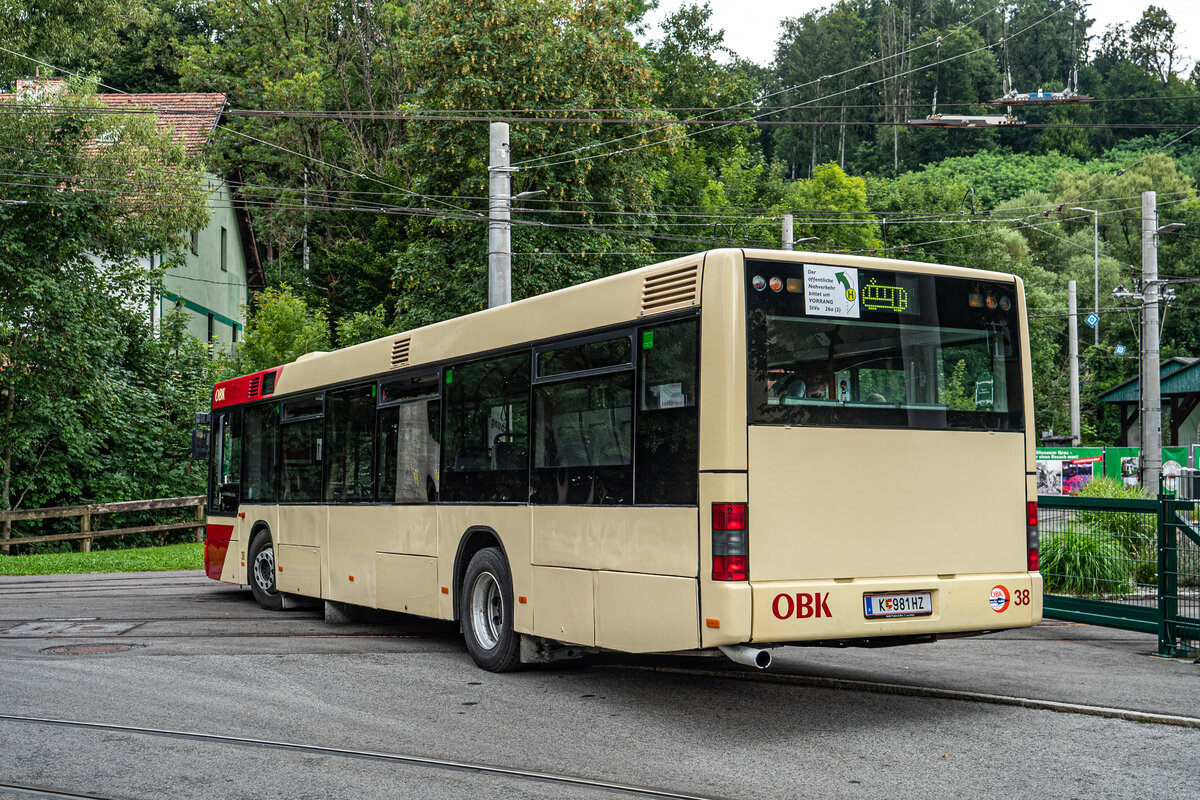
750 656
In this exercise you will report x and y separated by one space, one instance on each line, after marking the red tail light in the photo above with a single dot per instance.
730 542
1032 542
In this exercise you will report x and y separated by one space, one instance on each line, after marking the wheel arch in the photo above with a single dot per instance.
258 527
474 539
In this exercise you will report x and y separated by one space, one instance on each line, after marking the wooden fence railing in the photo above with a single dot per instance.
86 513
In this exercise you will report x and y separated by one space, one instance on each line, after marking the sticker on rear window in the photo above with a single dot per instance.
831 291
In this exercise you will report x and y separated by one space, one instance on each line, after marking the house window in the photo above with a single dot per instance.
195 243
211 319
224 237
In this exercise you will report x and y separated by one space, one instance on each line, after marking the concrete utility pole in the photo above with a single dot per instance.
499 217
1096 259
787 232
1073 351
1151 388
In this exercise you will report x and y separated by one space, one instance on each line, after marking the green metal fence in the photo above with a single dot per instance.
1131 564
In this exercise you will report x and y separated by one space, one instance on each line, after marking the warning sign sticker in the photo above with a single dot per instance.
831 291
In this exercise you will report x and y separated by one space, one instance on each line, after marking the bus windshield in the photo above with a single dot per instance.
849 347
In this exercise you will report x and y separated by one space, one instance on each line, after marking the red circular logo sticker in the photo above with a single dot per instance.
999 599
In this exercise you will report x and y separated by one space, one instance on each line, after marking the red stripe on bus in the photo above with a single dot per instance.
238 390
216 545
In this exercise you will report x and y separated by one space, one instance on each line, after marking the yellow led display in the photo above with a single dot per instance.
884 298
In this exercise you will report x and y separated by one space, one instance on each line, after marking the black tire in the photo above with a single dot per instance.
260 572
486 609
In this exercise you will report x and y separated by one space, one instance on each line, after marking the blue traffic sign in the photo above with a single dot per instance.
1092 319
1119 350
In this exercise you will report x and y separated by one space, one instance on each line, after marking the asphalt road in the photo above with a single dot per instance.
393 708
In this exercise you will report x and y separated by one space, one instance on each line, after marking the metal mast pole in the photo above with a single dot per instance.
1073 350
1096 262
1096 274
787 232
1151 388
499 225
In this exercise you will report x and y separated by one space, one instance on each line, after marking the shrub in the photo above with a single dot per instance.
1137 532
1084 563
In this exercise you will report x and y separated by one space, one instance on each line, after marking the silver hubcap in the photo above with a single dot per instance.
264 570
487 610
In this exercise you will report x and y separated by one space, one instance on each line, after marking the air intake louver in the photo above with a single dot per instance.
671 289
400 351
255 388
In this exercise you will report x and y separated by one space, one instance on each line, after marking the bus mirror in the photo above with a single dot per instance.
200 440
203 418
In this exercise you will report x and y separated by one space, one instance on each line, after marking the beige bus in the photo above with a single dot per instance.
739 449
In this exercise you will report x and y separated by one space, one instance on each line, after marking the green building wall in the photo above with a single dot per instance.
210 283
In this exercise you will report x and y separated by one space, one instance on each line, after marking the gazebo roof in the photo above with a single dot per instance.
1178 376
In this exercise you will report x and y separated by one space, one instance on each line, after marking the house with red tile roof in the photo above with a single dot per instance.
212 279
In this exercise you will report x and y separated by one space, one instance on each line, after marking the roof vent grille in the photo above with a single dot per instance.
400 349
255 388
672 289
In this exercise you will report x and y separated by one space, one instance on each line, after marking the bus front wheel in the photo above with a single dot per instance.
486 608
261 571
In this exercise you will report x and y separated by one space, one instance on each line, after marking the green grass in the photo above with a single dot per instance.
144 559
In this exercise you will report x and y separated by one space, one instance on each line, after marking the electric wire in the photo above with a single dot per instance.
535 161
757 99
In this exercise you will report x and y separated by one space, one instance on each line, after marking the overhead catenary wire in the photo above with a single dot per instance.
535 162
256 139
762 97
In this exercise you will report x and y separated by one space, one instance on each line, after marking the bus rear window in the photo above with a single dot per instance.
849 347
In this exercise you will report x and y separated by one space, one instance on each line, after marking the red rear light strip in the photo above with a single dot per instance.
730 542
1032 543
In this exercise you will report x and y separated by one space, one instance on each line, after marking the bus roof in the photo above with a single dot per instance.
630 297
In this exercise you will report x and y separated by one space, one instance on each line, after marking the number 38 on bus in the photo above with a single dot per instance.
740 449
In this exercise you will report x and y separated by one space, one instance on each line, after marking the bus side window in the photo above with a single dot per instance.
259 440
408 449
583 437
667 452
301 433
486 456
351 416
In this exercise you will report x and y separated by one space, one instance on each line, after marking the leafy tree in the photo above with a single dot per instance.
1052 39
814 62
1152 43
76 33
965 76
313 56
363 326
92 199
691 77
506 54
997 177
144 57
281 327
839 205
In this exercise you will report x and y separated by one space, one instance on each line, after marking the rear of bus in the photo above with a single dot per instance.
887 492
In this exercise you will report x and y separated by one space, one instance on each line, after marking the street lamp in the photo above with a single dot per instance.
1096 256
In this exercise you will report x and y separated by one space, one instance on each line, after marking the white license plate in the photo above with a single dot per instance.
910 604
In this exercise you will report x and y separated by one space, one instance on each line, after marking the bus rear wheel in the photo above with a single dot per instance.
261 572
486 608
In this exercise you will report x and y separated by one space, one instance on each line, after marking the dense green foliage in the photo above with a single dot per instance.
1084 564
94 404
1102 553
365 164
